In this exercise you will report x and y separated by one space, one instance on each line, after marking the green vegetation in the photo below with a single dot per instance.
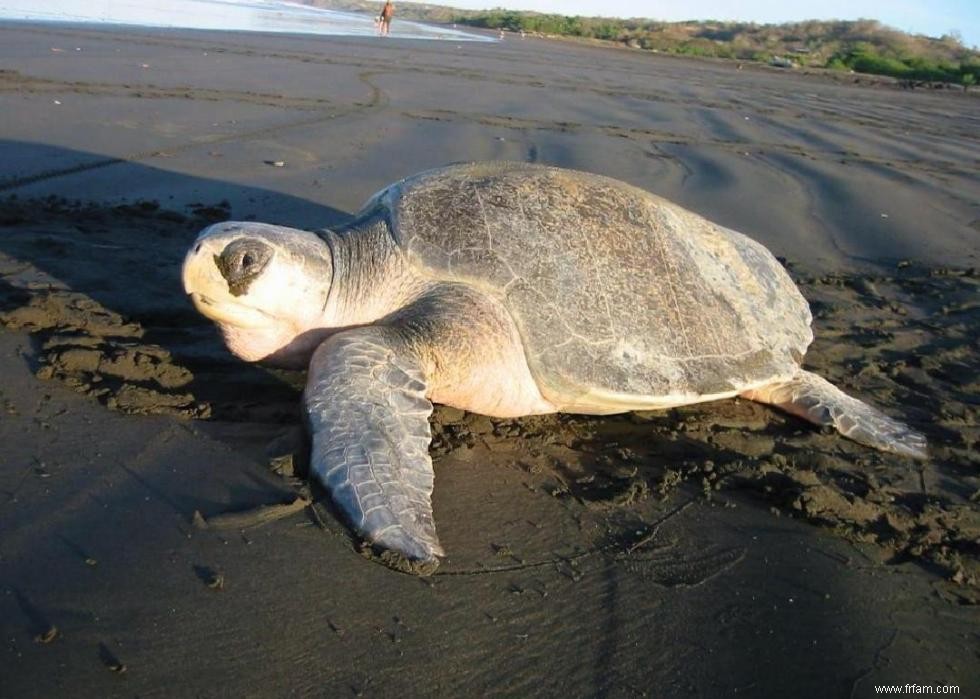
863 46
865 58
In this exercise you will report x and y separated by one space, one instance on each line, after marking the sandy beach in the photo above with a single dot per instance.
715 550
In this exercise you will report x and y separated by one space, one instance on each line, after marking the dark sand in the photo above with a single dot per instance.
716 550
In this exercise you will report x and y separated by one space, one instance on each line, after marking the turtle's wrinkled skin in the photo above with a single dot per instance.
507 289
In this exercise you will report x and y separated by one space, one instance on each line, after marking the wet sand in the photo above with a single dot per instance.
705 551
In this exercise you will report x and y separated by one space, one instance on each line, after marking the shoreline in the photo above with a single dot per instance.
425 33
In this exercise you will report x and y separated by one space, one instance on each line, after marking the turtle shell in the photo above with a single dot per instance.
622 298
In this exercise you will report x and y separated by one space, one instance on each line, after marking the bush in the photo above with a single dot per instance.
879 65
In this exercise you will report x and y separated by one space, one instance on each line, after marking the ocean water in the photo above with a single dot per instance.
228 15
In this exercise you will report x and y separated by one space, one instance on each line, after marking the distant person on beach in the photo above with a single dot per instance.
384 19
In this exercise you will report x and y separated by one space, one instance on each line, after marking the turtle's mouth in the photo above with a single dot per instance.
229 312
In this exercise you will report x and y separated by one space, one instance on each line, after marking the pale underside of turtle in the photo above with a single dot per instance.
507 289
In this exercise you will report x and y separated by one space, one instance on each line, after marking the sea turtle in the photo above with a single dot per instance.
506 289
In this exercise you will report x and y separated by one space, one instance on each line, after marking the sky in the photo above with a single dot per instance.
930 17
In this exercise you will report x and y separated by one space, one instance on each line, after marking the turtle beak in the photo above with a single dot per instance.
199 273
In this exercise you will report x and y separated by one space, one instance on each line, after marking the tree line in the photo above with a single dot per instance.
862 46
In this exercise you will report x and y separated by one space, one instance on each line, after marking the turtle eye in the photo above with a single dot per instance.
241 262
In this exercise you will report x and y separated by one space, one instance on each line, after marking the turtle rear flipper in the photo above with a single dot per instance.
813 398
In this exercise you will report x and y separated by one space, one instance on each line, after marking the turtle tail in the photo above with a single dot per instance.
815 399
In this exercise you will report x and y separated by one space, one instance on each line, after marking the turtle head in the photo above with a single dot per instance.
265 286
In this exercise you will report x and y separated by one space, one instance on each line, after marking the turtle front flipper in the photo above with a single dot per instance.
815 399
369 420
